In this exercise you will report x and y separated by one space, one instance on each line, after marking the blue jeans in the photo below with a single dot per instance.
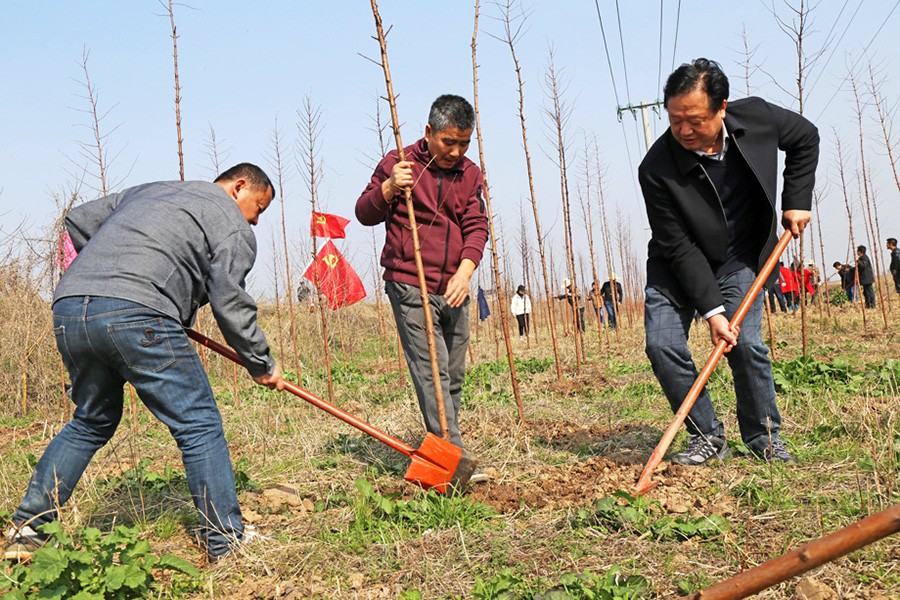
105 342
667 327
611 311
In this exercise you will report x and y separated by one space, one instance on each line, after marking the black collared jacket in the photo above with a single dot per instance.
689 234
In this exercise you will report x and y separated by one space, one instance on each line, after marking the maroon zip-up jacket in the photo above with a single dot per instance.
450 214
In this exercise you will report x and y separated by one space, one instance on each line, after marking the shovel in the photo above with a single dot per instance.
436 464
645 482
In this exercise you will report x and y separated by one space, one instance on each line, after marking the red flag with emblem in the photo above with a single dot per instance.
335 277
327 225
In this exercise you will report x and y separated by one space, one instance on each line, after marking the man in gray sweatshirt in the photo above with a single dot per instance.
149 258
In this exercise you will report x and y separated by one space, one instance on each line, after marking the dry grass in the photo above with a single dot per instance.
586 438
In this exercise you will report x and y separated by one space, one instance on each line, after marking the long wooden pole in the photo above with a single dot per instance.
806 557
417 249
644 482
501 295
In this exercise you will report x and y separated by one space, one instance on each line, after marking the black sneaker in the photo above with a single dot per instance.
21 543
775 451
702 449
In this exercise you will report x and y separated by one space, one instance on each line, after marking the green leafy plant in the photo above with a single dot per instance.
805 373
611 585
639 515
378 516
88 566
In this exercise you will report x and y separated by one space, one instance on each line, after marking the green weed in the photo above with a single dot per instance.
611 585
379 517
638 515
88 566
805 373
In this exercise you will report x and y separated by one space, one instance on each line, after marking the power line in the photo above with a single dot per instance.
606 48
659 68
865 50
838 42
622 46
675 45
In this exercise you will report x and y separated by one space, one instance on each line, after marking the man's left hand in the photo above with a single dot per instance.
795 221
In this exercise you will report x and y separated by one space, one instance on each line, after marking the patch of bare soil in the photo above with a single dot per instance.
679 489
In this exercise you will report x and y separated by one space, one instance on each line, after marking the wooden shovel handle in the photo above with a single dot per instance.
645 481
311 398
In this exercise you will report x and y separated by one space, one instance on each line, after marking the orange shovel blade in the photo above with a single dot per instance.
438 464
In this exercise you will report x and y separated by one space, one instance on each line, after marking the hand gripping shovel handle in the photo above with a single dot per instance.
436 464
644 482
312 399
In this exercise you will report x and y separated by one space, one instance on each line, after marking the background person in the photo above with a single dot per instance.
847 273
866 276
574 300
596 300
148 258
895 262
608 301
709 184
520 306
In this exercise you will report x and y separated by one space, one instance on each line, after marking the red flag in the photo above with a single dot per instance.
328 226
335 277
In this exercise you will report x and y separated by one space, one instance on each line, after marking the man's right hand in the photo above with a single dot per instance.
400 179
273 380
719 330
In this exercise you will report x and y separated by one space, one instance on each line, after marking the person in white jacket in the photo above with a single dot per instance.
521 308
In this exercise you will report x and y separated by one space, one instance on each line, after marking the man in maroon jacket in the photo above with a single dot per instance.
452 224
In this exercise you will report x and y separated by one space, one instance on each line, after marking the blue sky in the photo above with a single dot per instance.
243 66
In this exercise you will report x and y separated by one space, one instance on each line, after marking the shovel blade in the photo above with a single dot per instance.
437 464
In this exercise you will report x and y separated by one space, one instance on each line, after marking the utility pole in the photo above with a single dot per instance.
643 106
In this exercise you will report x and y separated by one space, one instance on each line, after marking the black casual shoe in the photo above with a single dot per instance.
702 449
774 451
21 543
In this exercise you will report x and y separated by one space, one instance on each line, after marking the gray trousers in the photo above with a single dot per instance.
451 335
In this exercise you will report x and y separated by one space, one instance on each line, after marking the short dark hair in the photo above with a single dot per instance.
451 111
861 249
253 174
837 264
892 241
521 288
703 73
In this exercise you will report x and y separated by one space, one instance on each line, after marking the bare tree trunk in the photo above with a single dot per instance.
177 93
198 325
840 157
885 120
802 275
827 300
872 212
99 159
510 39
278 165
275 280
558 116
604 224
866 200
501 297
417 249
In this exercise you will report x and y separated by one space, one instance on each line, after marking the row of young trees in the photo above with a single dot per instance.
540 262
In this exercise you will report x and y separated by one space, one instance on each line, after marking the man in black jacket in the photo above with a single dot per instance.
866 276
709 185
